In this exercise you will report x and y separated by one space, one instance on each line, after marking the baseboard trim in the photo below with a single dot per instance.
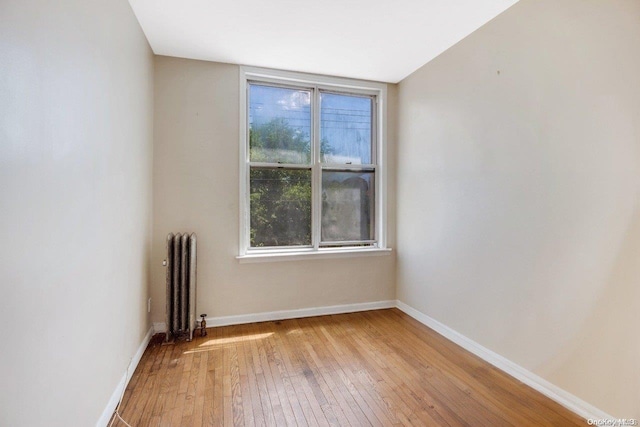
115 396
564 398
288 314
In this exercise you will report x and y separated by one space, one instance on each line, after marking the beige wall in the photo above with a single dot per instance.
76 99
196 188
518 191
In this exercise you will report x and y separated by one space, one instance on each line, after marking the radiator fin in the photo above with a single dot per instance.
181 284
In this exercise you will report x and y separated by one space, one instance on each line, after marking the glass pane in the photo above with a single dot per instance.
279 125
345 129
280 204
347 206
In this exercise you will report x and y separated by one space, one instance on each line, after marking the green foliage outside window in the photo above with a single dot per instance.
280 199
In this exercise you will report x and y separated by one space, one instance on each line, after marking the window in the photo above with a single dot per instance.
312 164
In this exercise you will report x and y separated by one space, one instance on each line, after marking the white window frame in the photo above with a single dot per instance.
319 83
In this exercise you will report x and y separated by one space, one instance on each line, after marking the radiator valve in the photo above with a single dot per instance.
203 326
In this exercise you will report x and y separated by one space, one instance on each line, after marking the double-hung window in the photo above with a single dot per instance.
312 164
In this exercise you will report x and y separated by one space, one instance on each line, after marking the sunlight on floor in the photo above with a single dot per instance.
218 342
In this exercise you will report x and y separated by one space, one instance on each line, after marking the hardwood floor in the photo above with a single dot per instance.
371 368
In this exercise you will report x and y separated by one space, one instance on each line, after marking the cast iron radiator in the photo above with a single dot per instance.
181 285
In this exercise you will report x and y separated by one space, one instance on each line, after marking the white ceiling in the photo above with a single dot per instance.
367 39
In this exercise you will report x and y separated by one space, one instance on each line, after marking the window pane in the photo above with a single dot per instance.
347 206
280 207
345 129
279 125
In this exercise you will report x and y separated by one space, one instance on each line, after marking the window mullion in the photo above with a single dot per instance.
316 184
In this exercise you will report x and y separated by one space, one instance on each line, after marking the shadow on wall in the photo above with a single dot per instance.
609 337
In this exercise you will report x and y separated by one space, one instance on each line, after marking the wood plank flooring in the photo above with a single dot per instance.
378 368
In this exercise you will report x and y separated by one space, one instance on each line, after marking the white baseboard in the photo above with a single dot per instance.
288 314
115 396
564 398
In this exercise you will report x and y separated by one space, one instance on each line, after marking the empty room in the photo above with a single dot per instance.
330 213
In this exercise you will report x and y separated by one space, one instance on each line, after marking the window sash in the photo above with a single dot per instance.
366 216
374 124
317 167
376 92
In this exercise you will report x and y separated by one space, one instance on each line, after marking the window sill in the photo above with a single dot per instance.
323 254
